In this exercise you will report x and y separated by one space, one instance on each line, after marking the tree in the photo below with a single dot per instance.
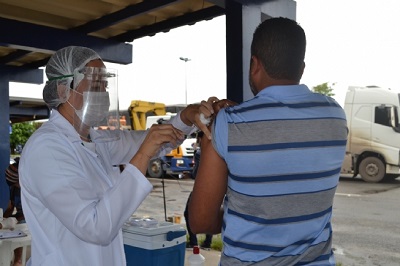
325 89
21 133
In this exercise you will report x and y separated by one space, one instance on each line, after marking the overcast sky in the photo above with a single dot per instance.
348 43
157 73
354 42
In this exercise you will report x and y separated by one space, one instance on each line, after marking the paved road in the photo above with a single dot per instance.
365 220
176 193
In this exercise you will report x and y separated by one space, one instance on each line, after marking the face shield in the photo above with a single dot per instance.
96 103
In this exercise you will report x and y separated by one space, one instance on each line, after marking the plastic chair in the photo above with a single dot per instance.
7 247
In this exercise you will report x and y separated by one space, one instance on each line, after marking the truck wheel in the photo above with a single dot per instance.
155 168
372 169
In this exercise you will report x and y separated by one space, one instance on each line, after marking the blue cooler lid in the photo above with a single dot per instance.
161 228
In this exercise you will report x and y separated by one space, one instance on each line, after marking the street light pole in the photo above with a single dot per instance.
185 59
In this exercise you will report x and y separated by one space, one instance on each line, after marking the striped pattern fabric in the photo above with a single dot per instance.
11 173
284 150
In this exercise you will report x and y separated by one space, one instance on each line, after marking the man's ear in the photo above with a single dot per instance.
255 65
256 69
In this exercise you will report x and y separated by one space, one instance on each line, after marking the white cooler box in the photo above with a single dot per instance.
163 245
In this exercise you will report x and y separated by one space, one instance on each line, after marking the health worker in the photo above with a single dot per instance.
74 195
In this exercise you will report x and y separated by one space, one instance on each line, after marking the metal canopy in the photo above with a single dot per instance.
32 30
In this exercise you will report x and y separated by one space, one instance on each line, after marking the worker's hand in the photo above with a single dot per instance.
201 115
218 105
8 223
157 136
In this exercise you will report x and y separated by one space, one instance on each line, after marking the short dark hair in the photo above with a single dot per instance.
280 44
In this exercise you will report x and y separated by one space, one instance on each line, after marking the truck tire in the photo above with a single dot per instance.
154 169
372 169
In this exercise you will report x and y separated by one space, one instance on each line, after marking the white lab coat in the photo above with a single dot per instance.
75 200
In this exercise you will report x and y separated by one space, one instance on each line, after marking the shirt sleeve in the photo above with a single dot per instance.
220 133
177 122
68 188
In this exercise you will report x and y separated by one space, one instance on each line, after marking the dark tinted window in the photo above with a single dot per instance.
382 115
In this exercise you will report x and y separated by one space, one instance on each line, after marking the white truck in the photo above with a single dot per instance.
373 146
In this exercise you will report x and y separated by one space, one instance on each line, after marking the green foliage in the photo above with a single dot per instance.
325 89
216 243
21 133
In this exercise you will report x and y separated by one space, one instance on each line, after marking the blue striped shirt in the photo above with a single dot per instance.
284 150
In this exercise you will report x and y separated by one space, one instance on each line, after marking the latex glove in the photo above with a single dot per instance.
8 223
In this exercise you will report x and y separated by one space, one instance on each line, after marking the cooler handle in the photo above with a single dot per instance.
171 235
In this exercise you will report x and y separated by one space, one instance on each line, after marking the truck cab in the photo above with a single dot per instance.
373 146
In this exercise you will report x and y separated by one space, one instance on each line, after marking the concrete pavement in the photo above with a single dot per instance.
212 257
176 194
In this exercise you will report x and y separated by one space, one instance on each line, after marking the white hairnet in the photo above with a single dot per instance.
60 70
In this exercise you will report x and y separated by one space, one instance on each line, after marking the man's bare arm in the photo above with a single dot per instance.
205 212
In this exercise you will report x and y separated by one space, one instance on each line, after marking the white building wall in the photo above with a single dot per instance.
252 17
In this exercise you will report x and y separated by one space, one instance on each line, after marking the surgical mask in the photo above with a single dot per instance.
94 109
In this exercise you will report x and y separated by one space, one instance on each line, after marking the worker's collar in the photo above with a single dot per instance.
96 135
